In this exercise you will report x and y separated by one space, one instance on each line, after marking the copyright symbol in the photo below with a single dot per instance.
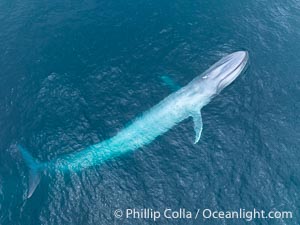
118 213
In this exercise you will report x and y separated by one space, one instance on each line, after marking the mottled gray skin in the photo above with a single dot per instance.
175 108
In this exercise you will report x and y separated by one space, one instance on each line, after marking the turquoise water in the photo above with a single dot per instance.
75 73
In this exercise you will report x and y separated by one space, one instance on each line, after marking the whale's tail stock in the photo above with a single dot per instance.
35 169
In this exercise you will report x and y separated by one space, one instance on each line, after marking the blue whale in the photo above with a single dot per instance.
185 102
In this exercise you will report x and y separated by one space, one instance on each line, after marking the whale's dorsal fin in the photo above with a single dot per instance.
198 125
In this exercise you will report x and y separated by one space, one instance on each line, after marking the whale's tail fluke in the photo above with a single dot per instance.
35 170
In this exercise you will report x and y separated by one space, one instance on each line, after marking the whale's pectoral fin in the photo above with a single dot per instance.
198 126
168 81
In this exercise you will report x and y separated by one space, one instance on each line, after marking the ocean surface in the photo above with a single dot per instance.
74 73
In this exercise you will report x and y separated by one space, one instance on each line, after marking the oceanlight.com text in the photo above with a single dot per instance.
203 214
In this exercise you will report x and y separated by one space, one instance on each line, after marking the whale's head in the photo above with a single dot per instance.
225 71
203 88
221 74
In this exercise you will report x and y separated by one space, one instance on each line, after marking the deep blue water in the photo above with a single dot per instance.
73 73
